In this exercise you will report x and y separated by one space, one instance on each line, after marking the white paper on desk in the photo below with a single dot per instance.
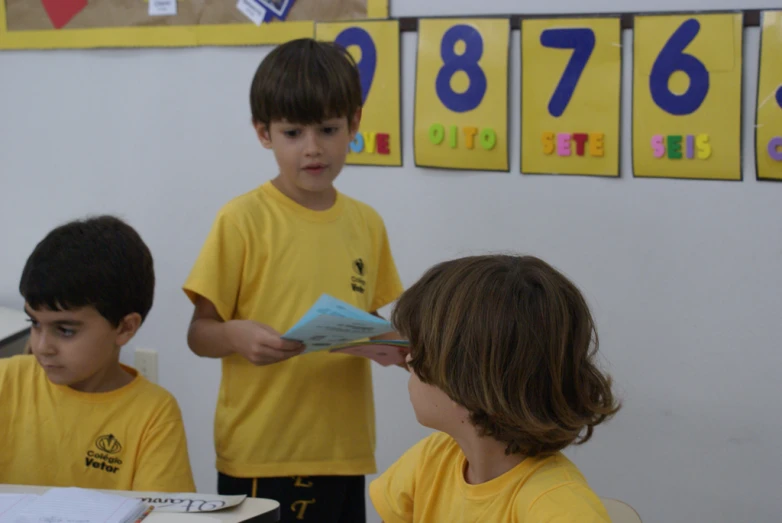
324 331
75 505
187 502
13 503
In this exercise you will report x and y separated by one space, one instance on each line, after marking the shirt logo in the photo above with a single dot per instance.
105 459
357 283
108 444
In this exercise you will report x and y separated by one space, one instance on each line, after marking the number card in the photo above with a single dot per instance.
375 47
687 96
768 124
570 95
461 94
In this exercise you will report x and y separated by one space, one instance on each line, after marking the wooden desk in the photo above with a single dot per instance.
252 510
13 325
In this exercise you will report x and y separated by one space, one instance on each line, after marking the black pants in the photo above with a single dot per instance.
317 499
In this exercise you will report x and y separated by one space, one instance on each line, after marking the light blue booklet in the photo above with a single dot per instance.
336 326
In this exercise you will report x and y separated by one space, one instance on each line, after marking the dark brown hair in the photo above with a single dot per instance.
305 82
512 340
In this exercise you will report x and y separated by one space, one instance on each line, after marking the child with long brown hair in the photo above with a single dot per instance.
502 359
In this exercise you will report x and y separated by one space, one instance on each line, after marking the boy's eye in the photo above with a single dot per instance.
330 130
291 133
65 332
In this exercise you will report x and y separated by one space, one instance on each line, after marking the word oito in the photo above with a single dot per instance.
775 147
678 146
487 138
370 143
561 143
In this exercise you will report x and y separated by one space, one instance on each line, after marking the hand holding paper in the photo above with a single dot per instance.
260 344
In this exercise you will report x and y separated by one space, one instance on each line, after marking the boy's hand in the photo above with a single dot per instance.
260 344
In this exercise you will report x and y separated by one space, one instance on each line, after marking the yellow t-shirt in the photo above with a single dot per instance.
268 259
128 439
427 485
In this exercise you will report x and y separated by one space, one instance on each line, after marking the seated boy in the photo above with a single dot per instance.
502 360
71 414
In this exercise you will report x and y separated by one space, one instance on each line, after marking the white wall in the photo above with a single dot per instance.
683 275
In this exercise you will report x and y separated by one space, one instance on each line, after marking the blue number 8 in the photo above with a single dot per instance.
672 58
467 62
368 63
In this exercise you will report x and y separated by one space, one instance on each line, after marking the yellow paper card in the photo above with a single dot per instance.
570 95
375 47
768 124
461 94
687 96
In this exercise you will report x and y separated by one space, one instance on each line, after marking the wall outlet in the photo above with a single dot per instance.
145 361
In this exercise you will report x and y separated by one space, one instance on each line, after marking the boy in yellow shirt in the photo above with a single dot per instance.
298 429
502 355
72 415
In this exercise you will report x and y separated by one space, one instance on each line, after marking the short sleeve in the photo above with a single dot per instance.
392 493
217 272
388 286
164 462
573 503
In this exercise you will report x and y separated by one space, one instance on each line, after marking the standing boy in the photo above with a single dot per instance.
300 430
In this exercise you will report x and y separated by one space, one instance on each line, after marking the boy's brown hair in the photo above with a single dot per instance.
512 340
305 82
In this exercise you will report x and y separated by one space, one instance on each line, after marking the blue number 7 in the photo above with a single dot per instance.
582 41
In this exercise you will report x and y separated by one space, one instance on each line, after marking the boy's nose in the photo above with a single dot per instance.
41 344
312 145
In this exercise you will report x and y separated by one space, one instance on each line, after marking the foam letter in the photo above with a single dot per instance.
382 143
658 147
580 139
703 145
469 136
690 146
488 139
357 145
548 142
563 144
775 148
436 133
370 141
596 144
452 139
674 147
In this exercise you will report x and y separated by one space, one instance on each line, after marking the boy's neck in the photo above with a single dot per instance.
485 456
314 201
107 380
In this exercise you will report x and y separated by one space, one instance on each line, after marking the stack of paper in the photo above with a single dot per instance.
336 326
71 505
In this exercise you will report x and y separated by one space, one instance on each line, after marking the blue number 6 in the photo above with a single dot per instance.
467 62
368 63
582 41
672 58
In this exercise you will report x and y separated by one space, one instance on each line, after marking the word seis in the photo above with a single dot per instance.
487 138
775 147
563 143
677 146
370 143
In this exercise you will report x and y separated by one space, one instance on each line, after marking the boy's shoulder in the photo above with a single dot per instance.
18 366
148 394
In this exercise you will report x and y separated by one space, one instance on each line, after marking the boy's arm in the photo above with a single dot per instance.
164 463
211 337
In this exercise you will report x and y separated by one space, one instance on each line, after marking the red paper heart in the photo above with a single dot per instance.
62 11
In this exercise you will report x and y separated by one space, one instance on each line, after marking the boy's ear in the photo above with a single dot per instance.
127 328
354 123
264 136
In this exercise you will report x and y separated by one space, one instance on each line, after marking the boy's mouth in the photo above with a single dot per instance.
315 168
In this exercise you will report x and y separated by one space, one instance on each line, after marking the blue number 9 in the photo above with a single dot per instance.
672 58
582 42
467 62
368 63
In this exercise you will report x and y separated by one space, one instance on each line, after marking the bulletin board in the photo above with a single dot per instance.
52 24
